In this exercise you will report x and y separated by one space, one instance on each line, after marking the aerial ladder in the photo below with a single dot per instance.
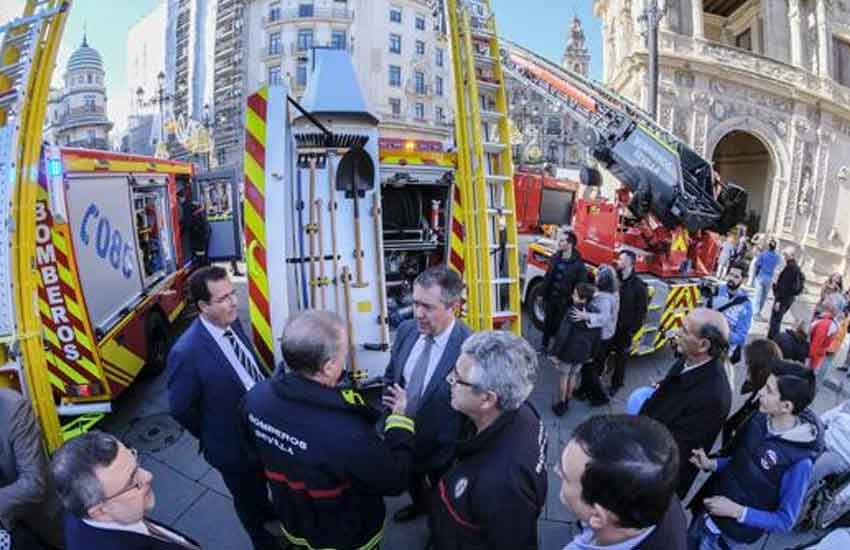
27 56
485 169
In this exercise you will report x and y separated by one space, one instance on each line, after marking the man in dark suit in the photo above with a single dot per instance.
106 495
694 398
424 351
210 368
28 514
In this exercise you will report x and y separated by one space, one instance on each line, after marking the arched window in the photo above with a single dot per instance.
89 75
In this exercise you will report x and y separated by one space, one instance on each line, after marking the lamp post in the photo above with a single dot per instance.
651 16
207 122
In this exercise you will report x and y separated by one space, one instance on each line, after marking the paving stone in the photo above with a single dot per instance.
175 493
212 521
212 480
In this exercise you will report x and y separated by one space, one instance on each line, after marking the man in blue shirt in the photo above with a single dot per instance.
766 264
759 486
734 303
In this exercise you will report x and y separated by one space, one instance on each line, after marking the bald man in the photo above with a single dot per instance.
694 398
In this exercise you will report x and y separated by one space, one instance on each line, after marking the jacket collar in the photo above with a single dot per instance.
481 441
294 387
696 376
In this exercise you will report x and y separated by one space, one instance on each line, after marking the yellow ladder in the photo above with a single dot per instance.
485 169
27 56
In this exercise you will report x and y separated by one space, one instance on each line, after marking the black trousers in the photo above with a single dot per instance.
552 322
621 344
591 384
251 501
776 315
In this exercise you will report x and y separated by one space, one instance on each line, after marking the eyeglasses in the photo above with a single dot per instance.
452 378
133 482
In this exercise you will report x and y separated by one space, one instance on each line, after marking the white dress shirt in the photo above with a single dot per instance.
437 349
138 527
218 335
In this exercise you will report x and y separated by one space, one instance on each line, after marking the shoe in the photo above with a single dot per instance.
560 408
408 513
842 368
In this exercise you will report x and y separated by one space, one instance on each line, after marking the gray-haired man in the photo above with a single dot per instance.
493 495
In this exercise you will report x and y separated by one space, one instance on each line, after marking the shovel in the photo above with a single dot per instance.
355 176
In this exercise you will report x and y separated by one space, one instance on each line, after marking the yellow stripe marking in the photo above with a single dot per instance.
122 357
255 223
176 313
255 126
255 174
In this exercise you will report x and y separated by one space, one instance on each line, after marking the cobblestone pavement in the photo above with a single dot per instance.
191 496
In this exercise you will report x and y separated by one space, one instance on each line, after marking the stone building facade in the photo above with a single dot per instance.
761 88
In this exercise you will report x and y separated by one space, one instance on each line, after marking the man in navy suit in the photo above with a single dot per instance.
424 352
210 368
106 495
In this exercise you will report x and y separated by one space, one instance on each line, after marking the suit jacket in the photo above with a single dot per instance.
437 424
204 394
82 536
25 494
693 406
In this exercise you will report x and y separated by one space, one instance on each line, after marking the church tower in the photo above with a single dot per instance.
576 55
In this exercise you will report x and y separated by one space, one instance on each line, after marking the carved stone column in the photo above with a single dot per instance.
697 16
824 41
795 19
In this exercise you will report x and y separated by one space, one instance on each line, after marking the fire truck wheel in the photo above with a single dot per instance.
158 343
534 303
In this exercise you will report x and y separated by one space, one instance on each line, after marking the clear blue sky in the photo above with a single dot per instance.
542 25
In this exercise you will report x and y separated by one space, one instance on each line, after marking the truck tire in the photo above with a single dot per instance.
157 331
534 303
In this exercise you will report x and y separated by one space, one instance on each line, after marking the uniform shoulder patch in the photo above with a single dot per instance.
352 397
460 487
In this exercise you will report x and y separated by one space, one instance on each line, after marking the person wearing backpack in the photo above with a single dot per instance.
734 303
786 289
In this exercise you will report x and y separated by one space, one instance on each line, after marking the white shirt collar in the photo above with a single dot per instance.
688 368
137 527
216 331
443 338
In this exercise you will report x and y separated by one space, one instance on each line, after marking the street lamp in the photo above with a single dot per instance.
651 16
207 122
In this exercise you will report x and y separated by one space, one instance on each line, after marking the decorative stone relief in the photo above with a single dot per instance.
680 124
684 79
665 116
804 206
819 184
699 133
790 209
843 175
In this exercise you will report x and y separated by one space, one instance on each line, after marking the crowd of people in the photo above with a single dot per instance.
309 460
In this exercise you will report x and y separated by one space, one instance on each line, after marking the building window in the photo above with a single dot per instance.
88 103
305 39
553 126
744 40
439 115
419 79
89 78
438 85
301 74
305 10
841 54
439 55
274 11
338 40
274 43
274 75
395 76
419 110
395 43
395 106
395 15
420 23
420 47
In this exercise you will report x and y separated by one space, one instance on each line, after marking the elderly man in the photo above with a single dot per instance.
618 476
493 494
787 287
695 397
424 351
106 495
328 469
26 511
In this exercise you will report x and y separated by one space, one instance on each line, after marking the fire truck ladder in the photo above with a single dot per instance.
27 55
486 169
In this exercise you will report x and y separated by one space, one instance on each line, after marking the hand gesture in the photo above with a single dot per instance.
395 398
701 460
723 507
578 315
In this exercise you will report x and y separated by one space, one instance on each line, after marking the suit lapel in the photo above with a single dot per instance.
447 361
217 356
410 339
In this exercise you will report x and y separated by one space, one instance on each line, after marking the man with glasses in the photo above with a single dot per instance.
493 494
210 368
106 495
424 350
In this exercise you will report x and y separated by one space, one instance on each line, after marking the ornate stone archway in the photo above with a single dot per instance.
779 163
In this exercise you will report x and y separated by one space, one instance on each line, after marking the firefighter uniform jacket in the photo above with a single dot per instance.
492 496
327 467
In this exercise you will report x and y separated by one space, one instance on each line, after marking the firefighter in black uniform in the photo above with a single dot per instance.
492 496
327 467
566 269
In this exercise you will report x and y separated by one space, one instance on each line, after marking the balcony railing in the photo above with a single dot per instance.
295 48
96 143
289 14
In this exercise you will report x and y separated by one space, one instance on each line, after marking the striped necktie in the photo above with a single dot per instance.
247 362
160 533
